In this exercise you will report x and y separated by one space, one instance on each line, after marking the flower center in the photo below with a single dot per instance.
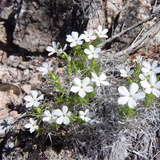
85 116
63 115
51 117
152 87
33 125
130 95
81 87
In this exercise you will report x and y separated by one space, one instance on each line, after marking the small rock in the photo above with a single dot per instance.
26 88
26 72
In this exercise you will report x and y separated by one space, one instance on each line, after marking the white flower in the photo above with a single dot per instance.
48 117
139 59
92 52
53 49
46 68
130 96
63 115
62 50
101 33
33 100
81 87
99 80
32 125
151 87
88 36
74 39
148 69
85 116
126 72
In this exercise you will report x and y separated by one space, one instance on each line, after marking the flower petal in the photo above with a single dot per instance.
34 94
66 120
152 79
157 85
59 120
131 103
28 125
123 100
28 98
75 89
85 81
88 89
122 90
30 104
77 81
64 109
81 93
154 64
156 92
133 88
139 95
40 97
57 112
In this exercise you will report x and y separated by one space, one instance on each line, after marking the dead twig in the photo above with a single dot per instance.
142 41
128 29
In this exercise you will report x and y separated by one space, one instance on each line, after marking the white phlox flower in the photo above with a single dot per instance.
32 125
49 117
46 68
81 87
99 80
74 39
126 72
101 33
88 36
86 116
129 97
63 116
52 49
92 52
151 86
33 100
148 69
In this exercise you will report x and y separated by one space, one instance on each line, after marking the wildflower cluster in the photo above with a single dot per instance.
145 76
83 75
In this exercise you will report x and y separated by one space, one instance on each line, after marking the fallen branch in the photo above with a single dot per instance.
142 41
130 28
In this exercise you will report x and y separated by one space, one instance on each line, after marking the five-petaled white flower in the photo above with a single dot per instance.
88 36
46 68
74 39
92 52
32 125
33 100
86 116
151 87
63 116
48 117
130 96
148 69
126 72
81 87
99 80
52 49
101 33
